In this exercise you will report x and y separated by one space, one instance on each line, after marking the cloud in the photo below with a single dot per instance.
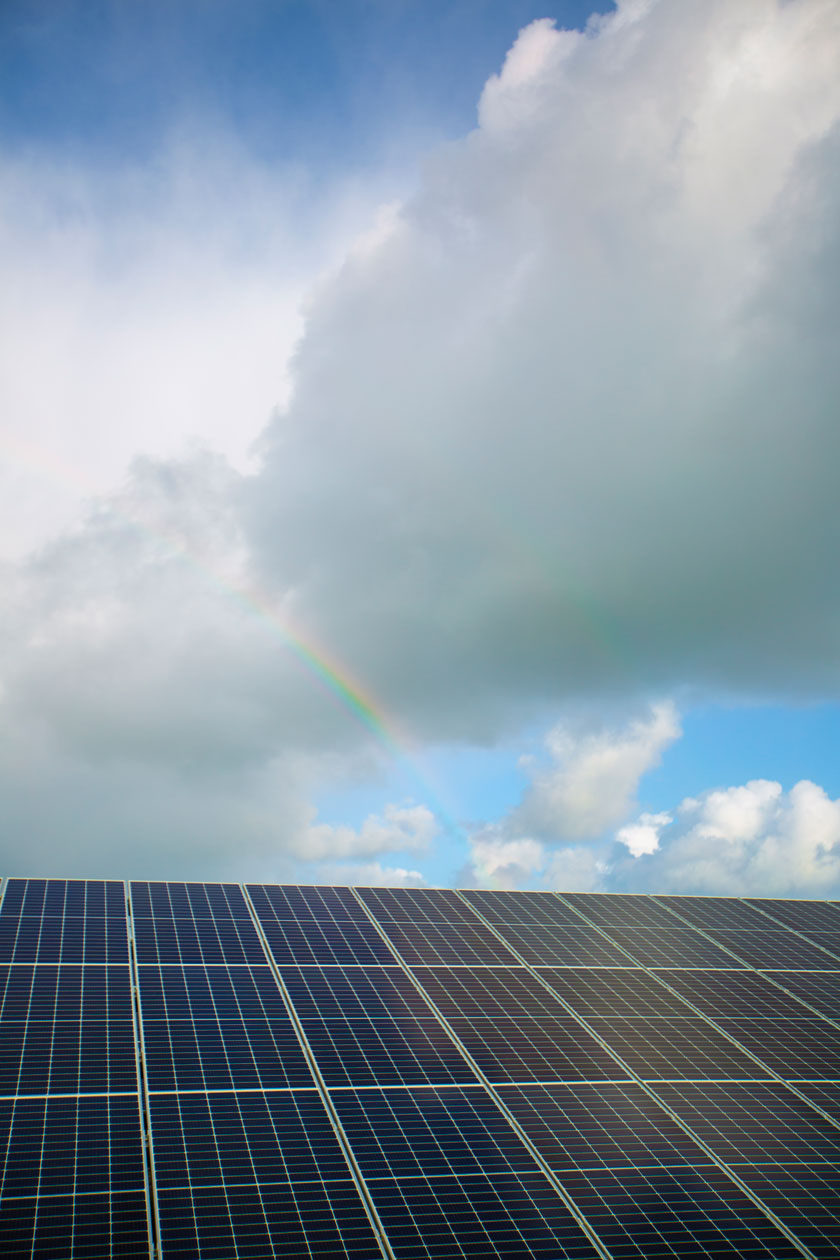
562 429
398 827
371 874
751 840
589 784
643 836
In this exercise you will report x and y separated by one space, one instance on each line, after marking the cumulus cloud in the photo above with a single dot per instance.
754 839
398 827
370 874
589 784
643 836
563 427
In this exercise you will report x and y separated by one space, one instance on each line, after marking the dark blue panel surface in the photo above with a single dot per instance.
300 903
736 993
613 991
549 946
676 1212
430 1132
400 1051
620 909
416 905
807 1199
188 901
61 1227
804 916
600 1126
243 1139
660 1049
754 1123
776 950
795 1048
330 942
487 992
715 912
295 1220
74 897
353 993
506 1216
444 943
672 947
208 941
527 1049
77 1146
218 1030
522 907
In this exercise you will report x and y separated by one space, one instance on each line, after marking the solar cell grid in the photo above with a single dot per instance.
620 909
186 941
803 916
52 1146
245 1040
299 1219
49 991
675 1048
237 1139
794 1048
676 1212
522 907
56 938
600 1126
464 943
806 1198
487 992
527 1049
399 1051
302 904
507 1216
825 1095
350 993
751 1122
547 946
74 897
715 912
317 936
829 941
188 901
613 991
734 993
416 905
430 1133
88 1227
771 950
672 947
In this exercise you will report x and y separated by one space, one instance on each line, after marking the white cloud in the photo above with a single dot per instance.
563 428
398 827
370 874
500 862
592 779
643 836
754 839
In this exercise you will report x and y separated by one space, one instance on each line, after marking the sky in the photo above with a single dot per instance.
418 442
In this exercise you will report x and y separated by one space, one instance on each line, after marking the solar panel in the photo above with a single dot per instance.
210 1071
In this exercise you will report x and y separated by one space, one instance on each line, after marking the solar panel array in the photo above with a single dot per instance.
214 1071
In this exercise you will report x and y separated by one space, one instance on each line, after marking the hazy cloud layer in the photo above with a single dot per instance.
562 426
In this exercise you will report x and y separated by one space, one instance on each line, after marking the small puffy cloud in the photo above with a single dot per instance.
589 784
643 836
750 840
370 874
398 827
591 781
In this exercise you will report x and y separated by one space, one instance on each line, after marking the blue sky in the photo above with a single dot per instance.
433 360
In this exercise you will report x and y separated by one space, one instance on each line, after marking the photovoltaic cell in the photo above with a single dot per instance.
301 904
824 1094
600 1126
620 910
715 912
206 940
549 946
671 947
678 1048
521 907
527 1049
84 1227
754 1123
775 950
416 905
466 943
213 1029
644 1213
613 991
188 901
803 916
806 1198
795 1048
430 1133
506 1216
325 942
734 993
296 1219
488 992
